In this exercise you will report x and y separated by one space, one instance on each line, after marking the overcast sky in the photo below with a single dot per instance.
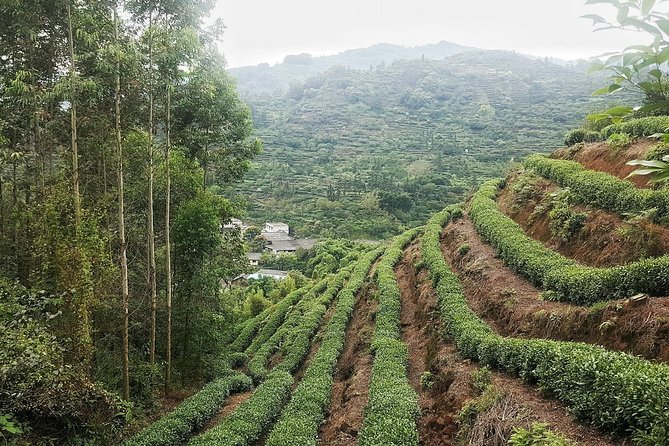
267 30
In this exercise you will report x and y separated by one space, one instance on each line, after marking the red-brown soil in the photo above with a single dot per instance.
511 305
429 351
605 240
231 403
600 156
352 375
421 332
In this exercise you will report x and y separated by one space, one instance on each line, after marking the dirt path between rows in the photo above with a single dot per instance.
452 376
352 374
511 305
231 403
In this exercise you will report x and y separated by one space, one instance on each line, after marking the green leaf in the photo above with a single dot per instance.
647 6
614 87
648 163
595 18
630 21
656 73
664 176
619 111
595 67
601 91
663 24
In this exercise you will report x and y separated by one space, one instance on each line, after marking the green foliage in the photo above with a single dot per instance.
619 141
639 65
580 135
417 135
475 407
612 390
392 408
481 379
598 188
464 249
658 151
638 128
293 338
300 420
552 271
246 423
178 426
564 222
658 170
426 380
539 434
36 381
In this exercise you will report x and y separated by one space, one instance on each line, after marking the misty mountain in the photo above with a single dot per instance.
264 78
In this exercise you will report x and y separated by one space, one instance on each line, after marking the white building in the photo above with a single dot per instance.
276 227
254 258
273 273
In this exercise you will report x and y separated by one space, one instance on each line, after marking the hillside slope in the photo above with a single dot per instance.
366 153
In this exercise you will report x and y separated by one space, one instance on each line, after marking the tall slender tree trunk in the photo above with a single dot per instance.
83 334
150 230
121 225
168 247
73 125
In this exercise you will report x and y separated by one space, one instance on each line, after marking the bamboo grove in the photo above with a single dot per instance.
120 137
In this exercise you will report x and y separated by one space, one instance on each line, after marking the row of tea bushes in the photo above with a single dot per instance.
177 426
392 409
248 421
300 420
600 189
613 390
568 279
302 317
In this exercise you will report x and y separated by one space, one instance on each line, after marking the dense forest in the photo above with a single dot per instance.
365 153
120 132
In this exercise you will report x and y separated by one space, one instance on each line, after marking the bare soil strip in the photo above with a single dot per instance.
605 240
599 156
511 305
231 403
352 375
452 386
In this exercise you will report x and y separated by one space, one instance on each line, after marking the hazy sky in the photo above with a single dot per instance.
267 30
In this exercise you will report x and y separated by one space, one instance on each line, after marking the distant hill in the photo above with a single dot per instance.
296 68
365 153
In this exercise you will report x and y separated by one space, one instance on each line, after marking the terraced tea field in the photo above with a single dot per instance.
486 326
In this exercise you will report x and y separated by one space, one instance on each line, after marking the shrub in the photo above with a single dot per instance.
580 135
538 435
481 379
638 128
177 426
426 380
619 141
598 188
246 423
552 271
464 249
612 390
392 408
302 417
